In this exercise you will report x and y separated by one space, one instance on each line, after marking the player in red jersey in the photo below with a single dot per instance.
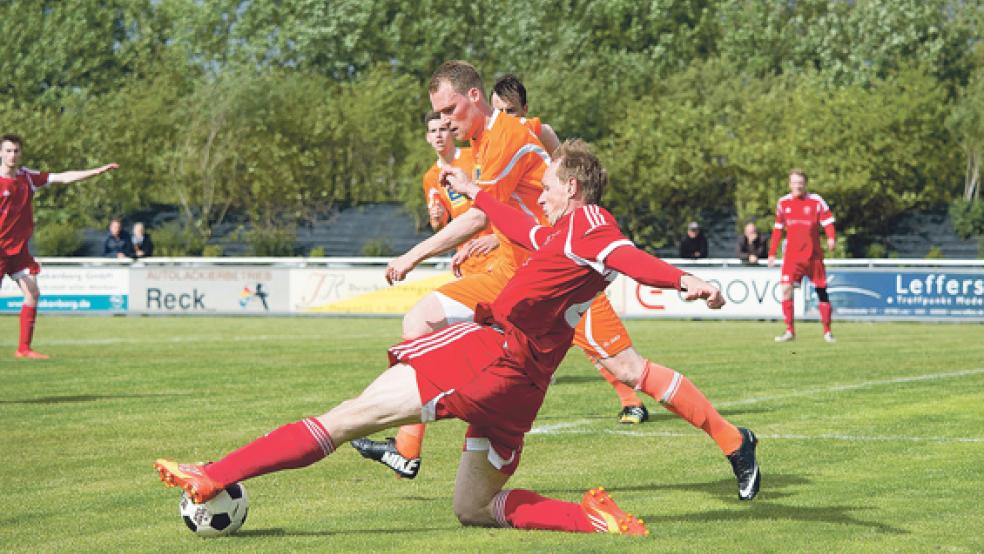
511 159
492 373
802 214
17 186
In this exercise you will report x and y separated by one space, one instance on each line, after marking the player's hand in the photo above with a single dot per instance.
455 179
483 245
831 244
772 261
753 259
108 167
398 268
695 287
457 260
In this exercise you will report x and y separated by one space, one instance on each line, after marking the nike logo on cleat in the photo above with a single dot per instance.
400 464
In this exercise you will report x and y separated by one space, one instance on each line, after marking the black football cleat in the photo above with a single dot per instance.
633 415
385 452
745 466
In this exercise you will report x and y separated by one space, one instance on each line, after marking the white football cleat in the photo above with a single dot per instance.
829 337
786 337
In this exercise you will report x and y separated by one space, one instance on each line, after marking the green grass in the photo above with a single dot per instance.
874 444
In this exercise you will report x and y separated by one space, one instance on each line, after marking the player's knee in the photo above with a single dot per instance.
822 294
470 514
627 366
426 316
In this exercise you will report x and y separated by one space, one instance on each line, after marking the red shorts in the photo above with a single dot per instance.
794 270
459 375
18 265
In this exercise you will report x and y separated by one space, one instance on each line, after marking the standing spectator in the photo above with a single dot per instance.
752 246
143 247
694 244
17 187
117 244
802 215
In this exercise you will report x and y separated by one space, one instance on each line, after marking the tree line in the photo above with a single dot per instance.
276 111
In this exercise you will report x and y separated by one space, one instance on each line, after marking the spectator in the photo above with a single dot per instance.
752 246
694 245
117 244
143 247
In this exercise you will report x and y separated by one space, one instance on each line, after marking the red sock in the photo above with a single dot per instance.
825 311
292 446
523 509
678 395
626 395
28 315
787 314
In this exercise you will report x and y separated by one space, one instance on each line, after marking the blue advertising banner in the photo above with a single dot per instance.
904 293
116 303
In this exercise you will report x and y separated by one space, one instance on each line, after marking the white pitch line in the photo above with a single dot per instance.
580 428
855 386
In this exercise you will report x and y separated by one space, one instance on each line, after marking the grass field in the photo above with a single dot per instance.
874 444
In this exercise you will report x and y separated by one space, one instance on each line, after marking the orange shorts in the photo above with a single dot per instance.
479 288
601 333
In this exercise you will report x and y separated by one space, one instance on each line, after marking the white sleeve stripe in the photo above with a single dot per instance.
827 221
778 226
611 248
533 236
524 150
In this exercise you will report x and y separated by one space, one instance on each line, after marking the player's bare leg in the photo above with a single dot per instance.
633 412
677 394
426 316
787 314
392 399
479 500
28 315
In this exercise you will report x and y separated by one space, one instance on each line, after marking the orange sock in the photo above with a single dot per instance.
626 395
410 439
678 395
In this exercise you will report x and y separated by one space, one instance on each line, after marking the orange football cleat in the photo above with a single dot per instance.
190 477
607 517
31 355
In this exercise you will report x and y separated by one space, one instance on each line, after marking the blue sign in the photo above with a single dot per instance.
89 303
903 294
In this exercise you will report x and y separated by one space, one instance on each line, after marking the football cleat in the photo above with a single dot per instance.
30 355
829 337
189 477
786 337
385 452
607 517
745 466
633 415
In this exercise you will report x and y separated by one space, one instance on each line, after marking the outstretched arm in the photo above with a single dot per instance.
508 220
453 234
73 176
652 271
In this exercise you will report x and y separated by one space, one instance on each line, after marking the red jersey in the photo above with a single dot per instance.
542 304
802 219
510 161
16 210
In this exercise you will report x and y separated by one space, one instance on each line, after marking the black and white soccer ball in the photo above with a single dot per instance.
222 515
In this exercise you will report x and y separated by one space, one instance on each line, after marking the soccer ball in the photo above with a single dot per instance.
222 515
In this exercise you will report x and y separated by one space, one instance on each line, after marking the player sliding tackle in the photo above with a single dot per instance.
492 373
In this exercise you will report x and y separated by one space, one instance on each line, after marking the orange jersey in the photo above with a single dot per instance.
455 204
510 161
533 124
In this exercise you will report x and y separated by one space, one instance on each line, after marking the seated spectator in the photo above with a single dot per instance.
117 244
752 246
694 244
143 247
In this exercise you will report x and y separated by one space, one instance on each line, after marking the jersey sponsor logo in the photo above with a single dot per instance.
456 198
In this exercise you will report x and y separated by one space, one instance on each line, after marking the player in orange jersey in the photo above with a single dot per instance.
443 205
512 162
509 95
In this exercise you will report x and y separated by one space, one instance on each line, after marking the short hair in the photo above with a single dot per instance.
460 74
431 116
510 88
800 172
575 159
10 137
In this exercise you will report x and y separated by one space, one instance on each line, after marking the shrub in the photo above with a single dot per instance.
58 239
175 239
876 250
935 253
213 251
317 252
271 241
967 217
376 248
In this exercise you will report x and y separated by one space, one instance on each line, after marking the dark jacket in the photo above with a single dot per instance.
693 248
114 245
759 246
147 246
